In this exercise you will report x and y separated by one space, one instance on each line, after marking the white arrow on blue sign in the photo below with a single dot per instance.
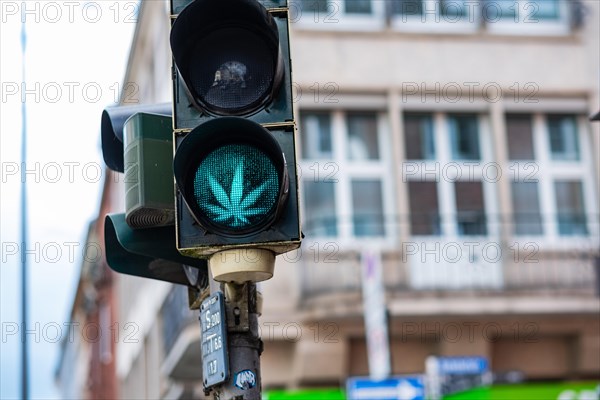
394 388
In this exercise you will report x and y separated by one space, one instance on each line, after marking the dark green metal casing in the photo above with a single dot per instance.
148 161
272 5
283 235
147 141
279 111
194 19
111 130
147 253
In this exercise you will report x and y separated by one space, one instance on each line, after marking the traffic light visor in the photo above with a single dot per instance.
233 175
228 55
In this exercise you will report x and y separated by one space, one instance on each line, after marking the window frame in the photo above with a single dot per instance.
335 18
524 24
435 22
448 214
545 171
456 255
342 171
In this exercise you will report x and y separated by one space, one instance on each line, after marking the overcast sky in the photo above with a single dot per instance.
75 64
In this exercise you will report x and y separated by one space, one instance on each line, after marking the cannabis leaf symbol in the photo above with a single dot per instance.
235 206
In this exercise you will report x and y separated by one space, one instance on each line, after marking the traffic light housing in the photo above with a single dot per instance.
138 141
231 57
111 130
147 253
234 129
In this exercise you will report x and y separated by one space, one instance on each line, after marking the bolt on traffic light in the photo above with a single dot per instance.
235 157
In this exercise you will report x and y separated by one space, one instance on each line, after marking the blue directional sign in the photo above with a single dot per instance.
462 365
394 388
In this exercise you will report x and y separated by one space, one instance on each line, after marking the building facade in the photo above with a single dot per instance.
453 139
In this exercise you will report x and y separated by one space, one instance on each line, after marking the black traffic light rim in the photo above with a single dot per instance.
202 141
199 19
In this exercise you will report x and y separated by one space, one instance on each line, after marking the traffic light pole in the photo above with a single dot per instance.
243 342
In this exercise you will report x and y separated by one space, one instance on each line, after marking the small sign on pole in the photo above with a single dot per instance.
215 360
447 375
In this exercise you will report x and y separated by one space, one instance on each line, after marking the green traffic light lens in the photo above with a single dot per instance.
237 187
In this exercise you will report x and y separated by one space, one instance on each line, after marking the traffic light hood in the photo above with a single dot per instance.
146 253
111 130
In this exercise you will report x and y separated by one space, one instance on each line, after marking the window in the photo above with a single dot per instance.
552 176
434 16
316 135
357 6
519 134
571 211
363 143
346 185
470 208
562 134
531 10
445 170
418 137
545 9
367 206
453 8
500 9
424 209
445 8
537 17
334 6
464 136
451 200
407 7
314 5
527 219
527 16
319 202
339 14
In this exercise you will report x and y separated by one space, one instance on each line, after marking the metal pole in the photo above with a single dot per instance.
24 350
243 341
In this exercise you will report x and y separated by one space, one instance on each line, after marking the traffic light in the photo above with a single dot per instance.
235 157
138 141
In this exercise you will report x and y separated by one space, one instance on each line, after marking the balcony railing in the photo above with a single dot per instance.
566 262
556 273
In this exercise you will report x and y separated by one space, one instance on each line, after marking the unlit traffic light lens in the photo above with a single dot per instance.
232 70
228 54
236 187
